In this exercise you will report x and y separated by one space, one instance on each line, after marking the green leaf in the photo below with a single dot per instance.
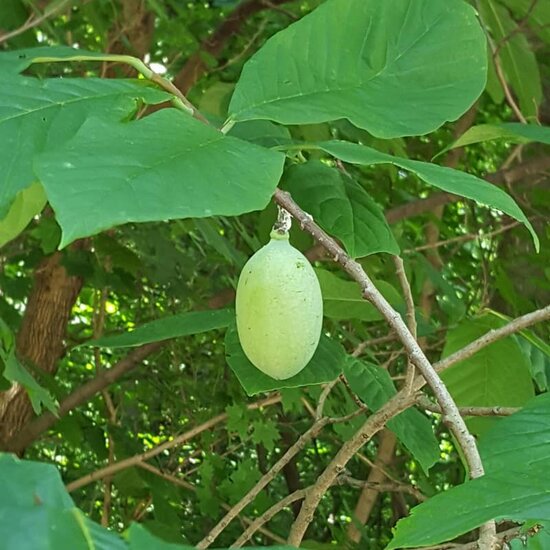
375 388
175 326
238 420
111 173
28 203
510 131
385 67
36 115
15 372
447 179
265 432
342 207
325 365
240 481
342 298
516 485
516 56
498 375
140 539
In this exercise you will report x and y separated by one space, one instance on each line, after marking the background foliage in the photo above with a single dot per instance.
118 214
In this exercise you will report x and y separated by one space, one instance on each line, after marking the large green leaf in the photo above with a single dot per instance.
516 486
28 202
40 114
175 326
385 67
497 375
447 179
342 207
375 388
325 365
165 166
516 56
343 300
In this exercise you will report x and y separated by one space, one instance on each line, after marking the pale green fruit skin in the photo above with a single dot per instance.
279 309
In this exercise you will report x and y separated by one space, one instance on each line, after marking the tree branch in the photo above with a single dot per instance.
451 415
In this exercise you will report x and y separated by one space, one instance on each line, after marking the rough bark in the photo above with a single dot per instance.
40 340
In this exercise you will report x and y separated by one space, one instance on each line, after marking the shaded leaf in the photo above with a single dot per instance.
175 326
498 375
342 298
375 388
325 365
28 202
342 207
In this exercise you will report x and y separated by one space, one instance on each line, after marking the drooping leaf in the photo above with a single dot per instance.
510 131
516 485
36 115
28 202
442 177
342 207
497 375
384 66
175 326
165 166
325 365
517 58
375 388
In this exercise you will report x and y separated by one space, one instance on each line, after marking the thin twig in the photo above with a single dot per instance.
492 336
186 485
463 238
257 524
424 402
410 314
175 442
34 21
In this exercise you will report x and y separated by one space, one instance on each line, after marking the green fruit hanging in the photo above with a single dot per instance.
279 309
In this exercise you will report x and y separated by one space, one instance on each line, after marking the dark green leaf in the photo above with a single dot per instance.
375 388
341 207
325 365
183 324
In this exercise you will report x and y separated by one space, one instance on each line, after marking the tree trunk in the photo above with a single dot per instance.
40 341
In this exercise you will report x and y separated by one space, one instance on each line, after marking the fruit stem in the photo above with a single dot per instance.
284 222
